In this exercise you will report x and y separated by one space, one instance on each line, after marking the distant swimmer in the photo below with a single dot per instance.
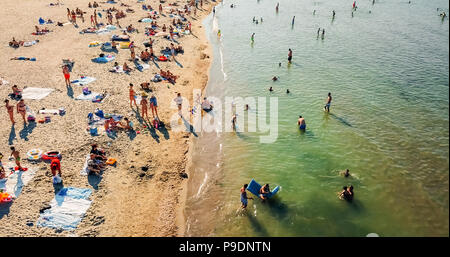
287 91
233 121
301 123
254 19
214 11
293 21
373 2
334 14
314 12
279 64
276 8
318 32
246 107
271 89
347 193
290 56
231 6
274 78
345 173
218 33
354 4
323 33
261 19
253 38
328 103
244 197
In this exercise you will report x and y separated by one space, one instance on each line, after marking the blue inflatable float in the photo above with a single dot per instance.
254 187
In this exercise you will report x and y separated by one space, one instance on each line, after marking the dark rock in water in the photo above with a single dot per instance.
184 175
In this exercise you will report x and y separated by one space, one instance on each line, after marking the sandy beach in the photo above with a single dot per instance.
144 194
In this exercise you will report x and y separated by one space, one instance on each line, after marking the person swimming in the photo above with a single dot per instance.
253 38
301 123
287 91
274 78
271 89
345 173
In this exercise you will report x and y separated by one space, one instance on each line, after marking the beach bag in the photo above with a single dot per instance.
93 131
99 113
31 118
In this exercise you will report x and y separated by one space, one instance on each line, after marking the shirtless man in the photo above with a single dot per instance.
264 191
328 103
16 156
22 109
301 123
290 56
132 97
10 109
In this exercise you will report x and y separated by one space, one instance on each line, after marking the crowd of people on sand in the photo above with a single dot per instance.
98 160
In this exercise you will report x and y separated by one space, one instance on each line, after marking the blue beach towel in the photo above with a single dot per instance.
67 209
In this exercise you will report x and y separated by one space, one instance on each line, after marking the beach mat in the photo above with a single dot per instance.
35 93
15 182
89 97
254 188
83 81
67 209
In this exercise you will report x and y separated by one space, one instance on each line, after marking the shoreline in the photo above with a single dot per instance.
188 164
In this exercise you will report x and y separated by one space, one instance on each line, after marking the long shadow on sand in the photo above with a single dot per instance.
189 127
27 130
69 91
94 180
144 122
12 135
4 209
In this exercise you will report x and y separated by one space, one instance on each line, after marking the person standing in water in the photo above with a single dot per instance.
323 33
293 21
244 197
253 38
218 33
276 8
301 123
328 103
214 10
318 32
314 12
334 14
290 56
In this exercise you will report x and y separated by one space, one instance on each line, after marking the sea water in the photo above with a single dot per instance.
387 68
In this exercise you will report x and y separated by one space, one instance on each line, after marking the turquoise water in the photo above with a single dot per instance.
388 72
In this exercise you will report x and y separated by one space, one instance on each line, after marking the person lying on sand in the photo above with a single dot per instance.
17 93
130 29
99 154
145 86
15 44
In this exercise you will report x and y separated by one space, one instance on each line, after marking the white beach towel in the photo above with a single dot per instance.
14 184
48 111
67 209
84 171
35 93
83 81
89 97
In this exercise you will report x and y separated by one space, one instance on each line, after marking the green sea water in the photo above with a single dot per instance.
387 67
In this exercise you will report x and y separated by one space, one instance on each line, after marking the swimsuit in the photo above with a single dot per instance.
66 75
244 199
153 101
302 126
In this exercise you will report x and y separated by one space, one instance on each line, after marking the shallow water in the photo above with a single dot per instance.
387 71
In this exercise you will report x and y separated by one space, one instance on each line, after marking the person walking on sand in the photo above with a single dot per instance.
132 97
290 56
55 166
66 75
328 103
144 106
160 9
154 106
10 109
244 197
92 20
179 101
16 155
22 109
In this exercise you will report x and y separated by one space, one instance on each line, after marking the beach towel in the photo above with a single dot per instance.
83 81
94 97
14 184
111 27
35 93
142 66
84 171
30 43
49 111
3 82
146 20
103 31
67 209
104 59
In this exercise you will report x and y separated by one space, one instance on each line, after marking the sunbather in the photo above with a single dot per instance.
22 109
126 68
17 93
93 166
126 125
